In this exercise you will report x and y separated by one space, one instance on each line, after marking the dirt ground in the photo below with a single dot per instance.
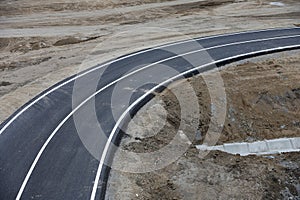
263 102
42 43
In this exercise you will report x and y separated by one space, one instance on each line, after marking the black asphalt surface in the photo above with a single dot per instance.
66 169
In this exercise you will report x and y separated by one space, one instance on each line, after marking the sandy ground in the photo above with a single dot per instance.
42 43
257 109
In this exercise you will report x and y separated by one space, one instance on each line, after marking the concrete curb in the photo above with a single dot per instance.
275 146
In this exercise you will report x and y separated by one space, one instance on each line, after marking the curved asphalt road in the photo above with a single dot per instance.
41 154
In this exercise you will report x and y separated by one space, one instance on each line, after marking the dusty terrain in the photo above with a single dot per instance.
262 103
42 43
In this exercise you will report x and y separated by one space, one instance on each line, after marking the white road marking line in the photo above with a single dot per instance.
73 111
122 58
97 178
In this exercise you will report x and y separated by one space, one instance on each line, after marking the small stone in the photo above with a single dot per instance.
198 136
282 126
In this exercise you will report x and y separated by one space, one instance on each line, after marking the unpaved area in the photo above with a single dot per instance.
263 102
218 176
42 43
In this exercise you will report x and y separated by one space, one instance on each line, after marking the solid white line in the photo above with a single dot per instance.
21 190
128 56
97 178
